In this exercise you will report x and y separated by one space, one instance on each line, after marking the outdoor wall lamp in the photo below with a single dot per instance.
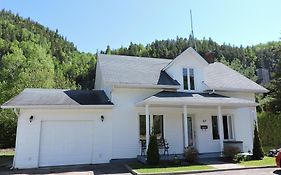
102 118
31 118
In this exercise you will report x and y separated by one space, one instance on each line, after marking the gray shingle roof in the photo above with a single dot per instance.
118 69
134 70
61 97
194 99
220 77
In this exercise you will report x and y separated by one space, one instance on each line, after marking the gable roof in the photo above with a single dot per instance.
124 71
117 69
58 97
218 76
189 50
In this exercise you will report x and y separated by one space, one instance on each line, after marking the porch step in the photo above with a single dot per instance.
209 155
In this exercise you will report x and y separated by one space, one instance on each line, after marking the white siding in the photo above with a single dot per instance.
28 134
188 60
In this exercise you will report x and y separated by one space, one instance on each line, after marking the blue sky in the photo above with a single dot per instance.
94 24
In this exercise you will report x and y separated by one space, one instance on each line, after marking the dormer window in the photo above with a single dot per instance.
188 79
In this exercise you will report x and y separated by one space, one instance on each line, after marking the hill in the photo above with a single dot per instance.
32 55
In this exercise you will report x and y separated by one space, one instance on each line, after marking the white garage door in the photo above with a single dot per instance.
66 143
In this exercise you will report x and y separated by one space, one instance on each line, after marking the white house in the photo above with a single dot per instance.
186 101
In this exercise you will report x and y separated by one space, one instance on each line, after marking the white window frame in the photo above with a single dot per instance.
230 130
151 123
188 79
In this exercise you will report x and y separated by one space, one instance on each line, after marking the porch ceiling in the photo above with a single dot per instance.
174 98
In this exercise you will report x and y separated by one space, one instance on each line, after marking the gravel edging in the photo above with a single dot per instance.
197 171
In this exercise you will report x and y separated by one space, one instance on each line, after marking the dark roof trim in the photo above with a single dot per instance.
165 79
89 97
164 94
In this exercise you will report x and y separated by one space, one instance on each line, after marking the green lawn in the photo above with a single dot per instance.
7 152
264 162
146 169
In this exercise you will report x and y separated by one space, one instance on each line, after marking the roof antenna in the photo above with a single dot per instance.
192 34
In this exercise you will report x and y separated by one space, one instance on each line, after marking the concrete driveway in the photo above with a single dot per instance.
108 169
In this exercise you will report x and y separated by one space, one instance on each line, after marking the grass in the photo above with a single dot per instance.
147 169
266 161
6 157
7 152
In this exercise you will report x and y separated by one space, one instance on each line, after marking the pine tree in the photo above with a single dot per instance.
153 156
257 147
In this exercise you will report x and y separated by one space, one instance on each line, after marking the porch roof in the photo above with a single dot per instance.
174 98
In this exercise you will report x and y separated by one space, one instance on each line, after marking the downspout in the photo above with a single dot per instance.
17 114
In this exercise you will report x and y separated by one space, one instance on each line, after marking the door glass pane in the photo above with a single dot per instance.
215 128
190 129
185 81
225 127
191 78
230 127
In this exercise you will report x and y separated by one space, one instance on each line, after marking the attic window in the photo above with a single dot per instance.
188 79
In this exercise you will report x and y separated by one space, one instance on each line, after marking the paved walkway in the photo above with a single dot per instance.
220 164
259 171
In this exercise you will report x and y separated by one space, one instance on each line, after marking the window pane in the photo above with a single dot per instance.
215 128
230 127
191 78
158 126
225 127
185 81
142 127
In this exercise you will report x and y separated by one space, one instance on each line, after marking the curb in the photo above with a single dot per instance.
196 171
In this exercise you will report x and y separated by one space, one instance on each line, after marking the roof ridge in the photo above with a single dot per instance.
138 57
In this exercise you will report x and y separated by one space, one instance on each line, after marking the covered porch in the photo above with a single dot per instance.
206 121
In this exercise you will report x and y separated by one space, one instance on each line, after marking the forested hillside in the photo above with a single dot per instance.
32 55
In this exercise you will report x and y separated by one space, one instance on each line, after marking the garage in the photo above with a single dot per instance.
66 143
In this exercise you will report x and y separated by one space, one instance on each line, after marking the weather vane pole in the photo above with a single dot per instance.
192 33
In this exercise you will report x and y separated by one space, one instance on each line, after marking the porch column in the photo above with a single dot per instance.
147 125
220 124
185 126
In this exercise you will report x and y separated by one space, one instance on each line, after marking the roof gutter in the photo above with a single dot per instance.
148 86
57 107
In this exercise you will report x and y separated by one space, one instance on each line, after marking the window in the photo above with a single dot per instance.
142 127
156 126
227 127
188 79
215 128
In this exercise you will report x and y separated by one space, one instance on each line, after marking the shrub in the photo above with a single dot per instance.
269 129
257 148
153 156
191 154
242 157
230 152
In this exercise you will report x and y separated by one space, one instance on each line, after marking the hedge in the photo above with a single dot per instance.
269 125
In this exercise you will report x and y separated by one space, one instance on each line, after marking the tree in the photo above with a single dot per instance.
153 156
257 147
